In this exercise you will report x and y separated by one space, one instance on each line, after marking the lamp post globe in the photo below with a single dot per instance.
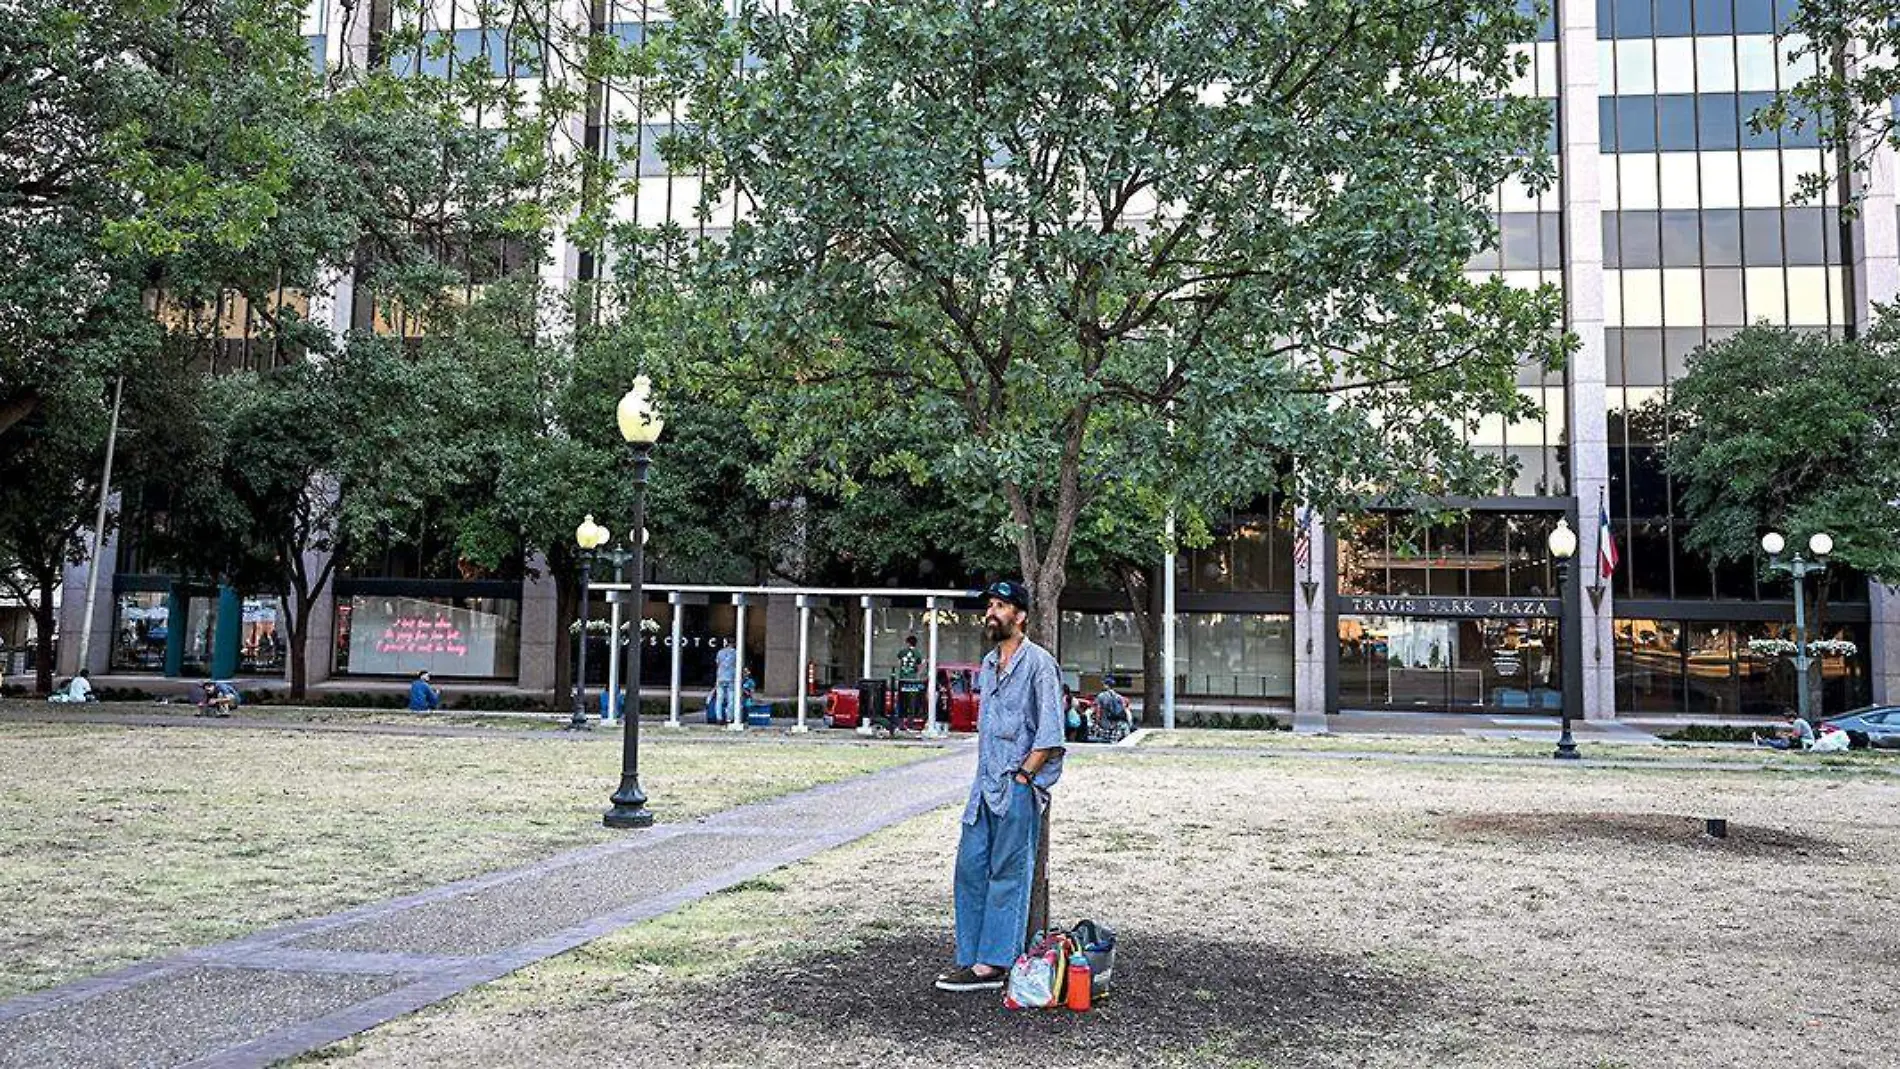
1772 543
640 424
1562 541
1821 543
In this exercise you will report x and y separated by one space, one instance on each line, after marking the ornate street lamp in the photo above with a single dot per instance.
1562 544
588 537
640 425
1799 568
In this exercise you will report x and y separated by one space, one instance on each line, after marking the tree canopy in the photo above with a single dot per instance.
1791 431
1171 255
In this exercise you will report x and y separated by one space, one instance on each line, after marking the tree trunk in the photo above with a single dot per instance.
297 626
43 624
1140 586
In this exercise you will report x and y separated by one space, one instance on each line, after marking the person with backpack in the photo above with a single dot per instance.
1019 758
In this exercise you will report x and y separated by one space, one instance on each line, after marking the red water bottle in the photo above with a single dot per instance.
1080 977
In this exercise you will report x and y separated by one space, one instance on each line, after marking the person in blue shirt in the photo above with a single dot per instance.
1019 758
423 697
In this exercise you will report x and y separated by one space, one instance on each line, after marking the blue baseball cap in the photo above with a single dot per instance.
1014 593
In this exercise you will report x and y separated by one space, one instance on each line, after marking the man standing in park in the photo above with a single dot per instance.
1019 757
725 680
909 694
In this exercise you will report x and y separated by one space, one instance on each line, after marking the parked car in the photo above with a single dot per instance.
957 701
1875 726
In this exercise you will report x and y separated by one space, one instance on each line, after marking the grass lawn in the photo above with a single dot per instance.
122 843
1293 912
1477 746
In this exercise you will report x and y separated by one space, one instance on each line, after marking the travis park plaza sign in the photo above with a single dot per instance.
1421 605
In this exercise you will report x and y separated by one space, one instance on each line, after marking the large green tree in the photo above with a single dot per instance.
1791 431
1170 255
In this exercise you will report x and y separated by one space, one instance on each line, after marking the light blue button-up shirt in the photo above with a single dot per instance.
1021 711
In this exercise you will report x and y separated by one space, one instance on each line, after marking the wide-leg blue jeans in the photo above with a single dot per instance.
996 867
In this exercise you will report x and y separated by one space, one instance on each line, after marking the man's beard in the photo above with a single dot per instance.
998 630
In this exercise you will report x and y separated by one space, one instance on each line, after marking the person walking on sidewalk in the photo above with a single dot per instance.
1019 758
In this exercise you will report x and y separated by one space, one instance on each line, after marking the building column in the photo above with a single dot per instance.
319 640
1312 641
540 622
1877 281
72 605
783 673
1580 196
227 636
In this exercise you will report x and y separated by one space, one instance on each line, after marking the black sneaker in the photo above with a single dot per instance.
967 980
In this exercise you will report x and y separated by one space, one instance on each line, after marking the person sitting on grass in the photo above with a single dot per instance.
423 696
79 691
216 699
1797 734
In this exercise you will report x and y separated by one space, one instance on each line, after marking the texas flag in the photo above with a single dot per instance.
1606 543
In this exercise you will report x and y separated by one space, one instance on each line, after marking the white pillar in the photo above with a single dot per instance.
1167 631
612 710
867 603
1312 644
931 727
674 599
1579 190
737 722
804 658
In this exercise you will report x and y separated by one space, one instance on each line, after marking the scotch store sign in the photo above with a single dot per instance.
1419 605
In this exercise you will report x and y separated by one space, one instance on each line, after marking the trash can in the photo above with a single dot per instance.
758 714
870 701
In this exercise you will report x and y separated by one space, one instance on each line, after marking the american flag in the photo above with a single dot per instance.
1303 537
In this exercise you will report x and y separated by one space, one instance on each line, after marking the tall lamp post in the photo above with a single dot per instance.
1562 544
640 425
589 536
1799 568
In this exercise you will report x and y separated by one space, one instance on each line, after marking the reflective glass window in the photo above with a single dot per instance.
1675 122
1633 18
1722 238
1642 356
1606 123
1679 344
1805 236
1749 104
1671 18
1714 17
1681 238
1754 16
1641 240
1517 240
1717 125
1761 236
1636 124
1722 296
1649 559
1715 64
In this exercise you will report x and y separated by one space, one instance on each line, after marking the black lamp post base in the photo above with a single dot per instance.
1567 749
630 807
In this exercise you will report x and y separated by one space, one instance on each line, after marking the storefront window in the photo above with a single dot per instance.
1097 644
140 631
471 638
261 644
1728 668
1236 655
1447 663
201 629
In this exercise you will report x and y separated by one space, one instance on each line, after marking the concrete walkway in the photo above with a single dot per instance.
288 990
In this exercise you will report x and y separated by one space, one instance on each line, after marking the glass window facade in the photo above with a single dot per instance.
1724 668
1449 664
139 632
397 635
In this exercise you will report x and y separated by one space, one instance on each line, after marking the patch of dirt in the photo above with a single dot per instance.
1172 994
1646 829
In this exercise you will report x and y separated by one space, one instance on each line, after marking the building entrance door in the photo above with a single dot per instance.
1449 664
